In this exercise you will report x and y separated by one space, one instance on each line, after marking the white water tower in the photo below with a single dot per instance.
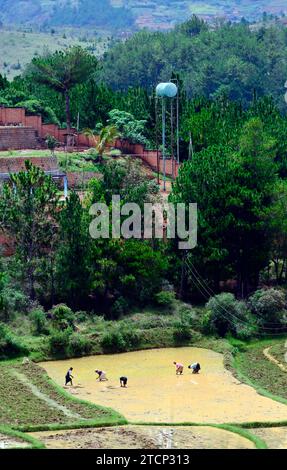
165 91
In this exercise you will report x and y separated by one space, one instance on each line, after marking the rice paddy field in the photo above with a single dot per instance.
156 394
219 408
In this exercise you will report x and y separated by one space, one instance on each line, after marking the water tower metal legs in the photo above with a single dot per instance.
163 143
65 187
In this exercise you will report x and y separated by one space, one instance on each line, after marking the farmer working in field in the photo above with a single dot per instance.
195 367
69 377
101 375
178 368
123 381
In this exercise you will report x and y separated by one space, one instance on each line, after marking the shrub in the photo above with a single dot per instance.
9 345
165 298
93 154
115 153
33 106
119 308
113 342
246 331
59 341
81 316
120 341
78 345
220 313
39 321
269 306
51 143
131 339
227 315
12 300
182 334
182 331
63 317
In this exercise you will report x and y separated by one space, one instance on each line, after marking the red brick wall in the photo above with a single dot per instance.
17 115
12 116
149 156
16 164
35 122
79 180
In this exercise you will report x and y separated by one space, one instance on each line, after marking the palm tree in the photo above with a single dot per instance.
107 136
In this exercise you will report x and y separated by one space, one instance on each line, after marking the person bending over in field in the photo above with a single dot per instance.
178 368
123 381
69 377
195 367
101 375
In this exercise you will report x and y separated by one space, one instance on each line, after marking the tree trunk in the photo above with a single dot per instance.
31 283
68 110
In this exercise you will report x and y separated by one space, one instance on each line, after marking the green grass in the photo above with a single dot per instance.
279 352
25 153
18 47
253 368
35 443
76 162
22 410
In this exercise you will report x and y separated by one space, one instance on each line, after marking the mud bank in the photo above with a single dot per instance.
144 437
8 442
275 438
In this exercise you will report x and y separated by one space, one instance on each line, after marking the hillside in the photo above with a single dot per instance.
130 14
17 48
95 13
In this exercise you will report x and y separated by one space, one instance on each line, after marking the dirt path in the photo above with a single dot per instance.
271 358
144 437
156 394
52 403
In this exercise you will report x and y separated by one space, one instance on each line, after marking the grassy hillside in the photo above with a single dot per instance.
17 48
131 14
43 13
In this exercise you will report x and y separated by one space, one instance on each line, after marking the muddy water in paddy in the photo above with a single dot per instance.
8 442
144 437
156 394
275 438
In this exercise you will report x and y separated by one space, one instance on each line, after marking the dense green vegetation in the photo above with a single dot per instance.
65 294
231 59
236 175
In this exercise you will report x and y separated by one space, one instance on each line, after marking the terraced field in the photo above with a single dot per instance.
158 410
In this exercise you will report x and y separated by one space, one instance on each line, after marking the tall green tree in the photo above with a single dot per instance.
234 192
62 71
28 206
72 272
